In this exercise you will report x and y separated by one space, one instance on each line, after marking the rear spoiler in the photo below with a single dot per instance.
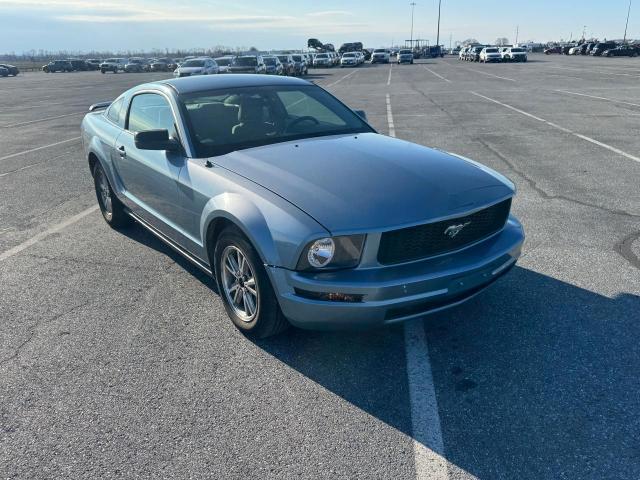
99 105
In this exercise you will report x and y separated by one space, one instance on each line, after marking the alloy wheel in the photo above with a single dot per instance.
239 284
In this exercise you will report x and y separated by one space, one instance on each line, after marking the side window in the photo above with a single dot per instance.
150 111
113 113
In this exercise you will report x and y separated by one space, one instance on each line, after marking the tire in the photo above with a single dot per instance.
266 318
112 209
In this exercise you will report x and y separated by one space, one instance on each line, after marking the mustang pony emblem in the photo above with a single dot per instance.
453 230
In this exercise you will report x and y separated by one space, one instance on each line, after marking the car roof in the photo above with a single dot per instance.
215 82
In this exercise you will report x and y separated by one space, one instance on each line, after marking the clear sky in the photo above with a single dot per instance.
83 25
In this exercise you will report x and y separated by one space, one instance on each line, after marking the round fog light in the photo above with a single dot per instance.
321 252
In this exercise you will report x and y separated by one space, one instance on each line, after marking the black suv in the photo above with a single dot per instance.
78 65
621 51
599 49
58 66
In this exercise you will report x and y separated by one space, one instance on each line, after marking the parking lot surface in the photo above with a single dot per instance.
117 359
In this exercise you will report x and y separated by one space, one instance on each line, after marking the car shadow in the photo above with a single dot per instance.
535 377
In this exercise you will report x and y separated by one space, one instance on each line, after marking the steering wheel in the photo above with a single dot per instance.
302 119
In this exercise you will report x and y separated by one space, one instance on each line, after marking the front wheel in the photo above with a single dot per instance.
245 288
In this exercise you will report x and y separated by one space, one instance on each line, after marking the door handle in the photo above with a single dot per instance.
122 152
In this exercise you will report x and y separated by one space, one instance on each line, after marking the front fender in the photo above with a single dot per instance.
277 230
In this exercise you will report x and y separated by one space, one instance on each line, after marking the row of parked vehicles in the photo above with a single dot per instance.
488 53
596 49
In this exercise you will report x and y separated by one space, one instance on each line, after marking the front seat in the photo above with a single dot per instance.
251 124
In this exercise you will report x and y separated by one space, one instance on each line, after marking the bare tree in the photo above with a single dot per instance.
500 41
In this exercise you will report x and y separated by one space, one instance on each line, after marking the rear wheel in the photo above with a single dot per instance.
245 288
111 208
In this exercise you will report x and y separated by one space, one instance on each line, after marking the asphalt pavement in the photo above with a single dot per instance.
117 359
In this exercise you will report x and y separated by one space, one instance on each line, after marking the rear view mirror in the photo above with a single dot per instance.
155 140
362 114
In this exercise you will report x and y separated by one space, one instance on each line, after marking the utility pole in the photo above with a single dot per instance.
517 32
627 24
438 37
584 32
413 5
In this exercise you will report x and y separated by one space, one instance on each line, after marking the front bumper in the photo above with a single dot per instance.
400 292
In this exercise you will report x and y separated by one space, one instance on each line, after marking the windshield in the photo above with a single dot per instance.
112 60
517 50
269 61
224 121
322 55
135 60
492 50
348 55
246 61
297 58
223 61
193 63
405 52
379 50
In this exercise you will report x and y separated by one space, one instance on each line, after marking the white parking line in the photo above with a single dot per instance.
438 75
490 74
389 79
20 124
7 157
428 446
563 129
392 128
342 78
599 98
55 228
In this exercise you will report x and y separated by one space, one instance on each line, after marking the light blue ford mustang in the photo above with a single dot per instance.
302 212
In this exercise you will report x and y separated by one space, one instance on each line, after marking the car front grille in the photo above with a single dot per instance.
436 238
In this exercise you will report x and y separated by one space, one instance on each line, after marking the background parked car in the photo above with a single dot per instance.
462 55
552 50
599 49
321 60
287 64
223 63
621 51
299 65
57 66
273 65
78 65
473 55
4 72
349 59
514 54
11 69
93 64
134 65
248 64
405 56
160 65
114 65
380 55
197 66
490 54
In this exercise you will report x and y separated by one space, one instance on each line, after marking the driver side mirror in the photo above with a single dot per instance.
155 140
362 114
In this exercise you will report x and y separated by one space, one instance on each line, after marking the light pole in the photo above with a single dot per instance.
627 24
438 37
413 5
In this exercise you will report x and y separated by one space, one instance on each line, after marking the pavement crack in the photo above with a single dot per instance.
548 196
33 329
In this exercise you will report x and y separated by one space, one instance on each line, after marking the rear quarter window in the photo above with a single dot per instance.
114 112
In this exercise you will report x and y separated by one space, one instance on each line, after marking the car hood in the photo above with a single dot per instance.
368 182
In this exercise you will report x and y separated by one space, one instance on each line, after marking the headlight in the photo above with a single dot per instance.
332 252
